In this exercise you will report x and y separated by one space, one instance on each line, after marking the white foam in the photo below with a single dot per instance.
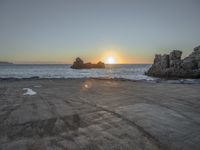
29 91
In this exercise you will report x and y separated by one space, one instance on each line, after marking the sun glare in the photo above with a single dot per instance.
110 60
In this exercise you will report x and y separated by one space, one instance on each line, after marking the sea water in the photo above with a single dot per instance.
132 72
128 71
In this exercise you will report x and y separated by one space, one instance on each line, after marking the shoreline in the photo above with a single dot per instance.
157 80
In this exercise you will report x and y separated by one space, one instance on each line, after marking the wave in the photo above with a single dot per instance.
114 72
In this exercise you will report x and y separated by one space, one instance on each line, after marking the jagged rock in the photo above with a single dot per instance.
189 63
175 55
79 61
162 61
79 64
165 61
192 61
172 66
157 58
197 49
175 58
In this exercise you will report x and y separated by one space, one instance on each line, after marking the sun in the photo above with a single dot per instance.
110 60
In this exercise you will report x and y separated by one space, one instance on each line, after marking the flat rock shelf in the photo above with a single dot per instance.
93 114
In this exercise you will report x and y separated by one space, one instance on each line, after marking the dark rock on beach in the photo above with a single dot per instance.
79 64
172 66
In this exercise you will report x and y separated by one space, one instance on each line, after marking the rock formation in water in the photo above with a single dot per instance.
171 66
79 64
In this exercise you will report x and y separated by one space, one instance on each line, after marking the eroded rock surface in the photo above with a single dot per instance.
172 66
66 115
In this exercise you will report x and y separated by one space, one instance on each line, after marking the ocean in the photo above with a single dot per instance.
126 71
132 72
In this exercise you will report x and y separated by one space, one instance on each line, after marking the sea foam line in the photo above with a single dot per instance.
29 91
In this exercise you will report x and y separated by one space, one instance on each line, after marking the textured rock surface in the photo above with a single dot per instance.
171 65
79 64
66 114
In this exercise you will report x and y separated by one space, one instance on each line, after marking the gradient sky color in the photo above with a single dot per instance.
57 31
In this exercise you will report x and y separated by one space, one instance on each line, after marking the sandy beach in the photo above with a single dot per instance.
94 114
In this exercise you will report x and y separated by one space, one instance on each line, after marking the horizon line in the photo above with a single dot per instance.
72 63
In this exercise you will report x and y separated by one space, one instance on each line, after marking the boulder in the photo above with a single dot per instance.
171 66
101 64
79 61
79 64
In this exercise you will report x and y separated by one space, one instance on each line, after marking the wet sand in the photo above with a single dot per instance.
92 114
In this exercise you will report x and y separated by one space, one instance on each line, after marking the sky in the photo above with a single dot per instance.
131 31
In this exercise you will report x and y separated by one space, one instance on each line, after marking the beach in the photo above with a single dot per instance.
99 114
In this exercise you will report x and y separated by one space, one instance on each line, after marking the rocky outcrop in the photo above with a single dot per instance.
171 65
79 64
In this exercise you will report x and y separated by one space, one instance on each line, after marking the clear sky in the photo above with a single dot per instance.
132 31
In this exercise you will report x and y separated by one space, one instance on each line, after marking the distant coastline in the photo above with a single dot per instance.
5 63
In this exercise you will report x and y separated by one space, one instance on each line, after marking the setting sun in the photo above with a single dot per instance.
110 60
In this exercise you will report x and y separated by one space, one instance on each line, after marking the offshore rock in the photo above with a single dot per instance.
79 64
171 66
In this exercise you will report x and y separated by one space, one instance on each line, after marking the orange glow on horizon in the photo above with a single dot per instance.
111 57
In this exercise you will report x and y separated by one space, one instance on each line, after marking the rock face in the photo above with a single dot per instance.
171 66
79 64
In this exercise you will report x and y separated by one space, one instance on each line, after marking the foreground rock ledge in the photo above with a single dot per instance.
79 64
171 65
106 115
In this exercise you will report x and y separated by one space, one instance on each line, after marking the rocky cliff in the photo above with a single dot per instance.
79 64
172 66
